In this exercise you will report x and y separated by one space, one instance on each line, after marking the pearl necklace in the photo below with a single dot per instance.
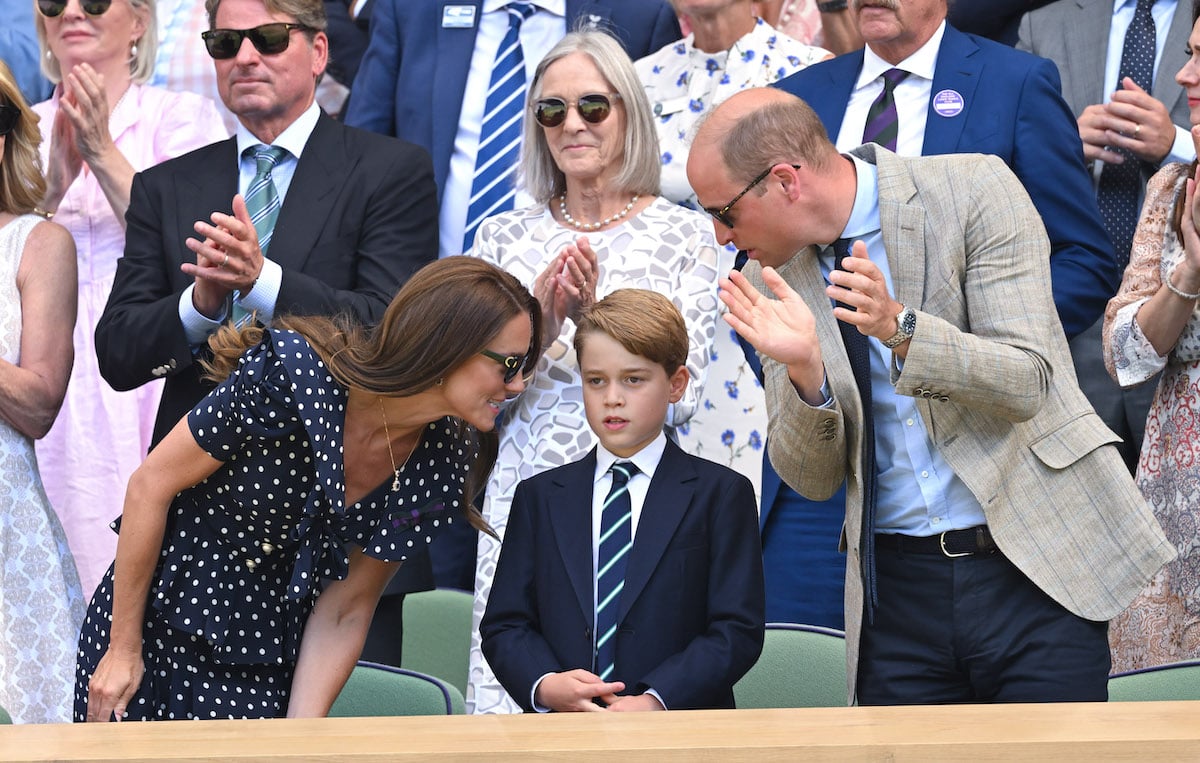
562 207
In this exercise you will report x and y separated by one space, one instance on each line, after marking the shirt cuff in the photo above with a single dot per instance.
196 325
533 695
1183 149
265 294
658 697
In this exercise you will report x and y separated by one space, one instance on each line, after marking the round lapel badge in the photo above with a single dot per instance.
948 103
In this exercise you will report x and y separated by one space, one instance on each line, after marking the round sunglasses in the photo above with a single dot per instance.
267 39
9 115
594 108
52 8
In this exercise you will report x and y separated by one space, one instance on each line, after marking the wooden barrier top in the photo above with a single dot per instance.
1135 731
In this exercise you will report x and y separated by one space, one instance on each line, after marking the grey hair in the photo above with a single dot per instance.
642 169
785 130
141 65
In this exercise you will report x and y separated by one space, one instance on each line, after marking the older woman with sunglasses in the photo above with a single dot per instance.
591 162
41 604
101 126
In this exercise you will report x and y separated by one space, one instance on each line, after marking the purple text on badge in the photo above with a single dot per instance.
948 103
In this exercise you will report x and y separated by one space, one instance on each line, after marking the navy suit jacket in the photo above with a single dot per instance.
1014 109
691 615
411 80
360 217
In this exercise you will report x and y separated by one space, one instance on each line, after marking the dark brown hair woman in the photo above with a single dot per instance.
258 535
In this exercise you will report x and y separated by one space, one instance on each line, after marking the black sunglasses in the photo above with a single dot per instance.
722 215
512 363
268 39
594 108
52 8
8 118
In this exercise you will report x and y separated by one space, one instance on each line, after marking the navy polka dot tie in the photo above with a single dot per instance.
1120 184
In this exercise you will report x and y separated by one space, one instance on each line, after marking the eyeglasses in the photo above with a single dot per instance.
512 363
594 108
52 8
722 215
268 39
8 118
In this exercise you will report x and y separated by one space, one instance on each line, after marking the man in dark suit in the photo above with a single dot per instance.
427 57
653 604
357 218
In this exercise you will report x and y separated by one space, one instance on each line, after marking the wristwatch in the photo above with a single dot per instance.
906 324
832 6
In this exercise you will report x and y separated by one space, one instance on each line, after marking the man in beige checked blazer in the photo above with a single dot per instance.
1007 530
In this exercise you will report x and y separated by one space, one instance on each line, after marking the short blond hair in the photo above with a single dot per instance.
141 64
644 322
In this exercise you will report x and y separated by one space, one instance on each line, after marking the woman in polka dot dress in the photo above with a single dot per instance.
257 536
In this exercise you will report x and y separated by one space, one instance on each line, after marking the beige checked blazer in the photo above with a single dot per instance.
996 388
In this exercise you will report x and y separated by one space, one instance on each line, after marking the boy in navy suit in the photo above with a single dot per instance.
675 615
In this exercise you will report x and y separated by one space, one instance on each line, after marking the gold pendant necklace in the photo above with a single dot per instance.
392 456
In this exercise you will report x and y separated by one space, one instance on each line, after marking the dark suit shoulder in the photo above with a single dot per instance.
361 141
712 473
204 156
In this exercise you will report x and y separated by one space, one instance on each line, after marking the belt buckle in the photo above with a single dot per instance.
948 554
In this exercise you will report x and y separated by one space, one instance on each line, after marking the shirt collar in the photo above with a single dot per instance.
293 138
557 7
864 217
645 459
921 63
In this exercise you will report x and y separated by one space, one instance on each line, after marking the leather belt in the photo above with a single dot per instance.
973 541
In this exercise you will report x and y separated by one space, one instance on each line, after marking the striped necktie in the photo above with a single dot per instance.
883 124
616 519
1121 184
492 188
262 198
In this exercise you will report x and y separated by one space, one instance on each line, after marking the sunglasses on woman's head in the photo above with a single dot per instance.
512 363
268 39
594 108
8 118
52 8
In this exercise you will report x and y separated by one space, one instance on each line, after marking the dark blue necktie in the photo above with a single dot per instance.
616 539
1120 184
858 350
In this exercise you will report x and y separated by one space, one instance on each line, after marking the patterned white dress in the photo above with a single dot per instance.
41 604
683 84
664 248
1163 623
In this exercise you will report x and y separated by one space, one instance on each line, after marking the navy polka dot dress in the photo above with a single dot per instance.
245 550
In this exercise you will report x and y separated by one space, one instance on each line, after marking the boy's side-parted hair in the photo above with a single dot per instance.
643 322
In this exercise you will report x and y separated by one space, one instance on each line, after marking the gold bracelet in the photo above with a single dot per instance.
43 213
1178 292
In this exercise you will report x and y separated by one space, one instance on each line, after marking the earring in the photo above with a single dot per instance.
133 51
440 380
49 55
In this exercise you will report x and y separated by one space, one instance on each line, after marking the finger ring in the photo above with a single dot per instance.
226 260
1136 129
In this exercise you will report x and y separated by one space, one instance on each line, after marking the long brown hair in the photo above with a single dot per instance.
446 313
22 184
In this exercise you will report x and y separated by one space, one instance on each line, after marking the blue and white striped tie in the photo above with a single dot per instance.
616 519
492 188
262 198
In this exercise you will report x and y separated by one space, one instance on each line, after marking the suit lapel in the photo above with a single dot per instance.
209 186
670 494
902 225
1087 49
957 69
830 101
454 47
571 522
320 175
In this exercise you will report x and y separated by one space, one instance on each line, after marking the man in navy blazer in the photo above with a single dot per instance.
988 98
689 622
412 79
